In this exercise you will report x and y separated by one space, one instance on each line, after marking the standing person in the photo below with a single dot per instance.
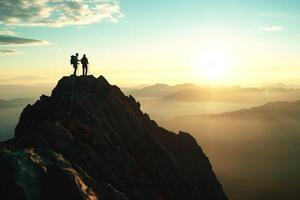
84 62
74 61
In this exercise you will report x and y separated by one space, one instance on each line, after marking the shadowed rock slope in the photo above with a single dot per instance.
90 141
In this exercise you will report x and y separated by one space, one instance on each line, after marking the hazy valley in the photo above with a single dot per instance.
253 145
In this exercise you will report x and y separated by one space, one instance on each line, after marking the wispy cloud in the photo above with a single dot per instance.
8 40
58 13
271 28
7 32
7 52
23 78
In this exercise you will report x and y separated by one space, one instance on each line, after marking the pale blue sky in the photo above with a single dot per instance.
154 41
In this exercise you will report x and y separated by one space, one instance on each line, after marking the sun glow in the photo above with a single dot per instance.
213 63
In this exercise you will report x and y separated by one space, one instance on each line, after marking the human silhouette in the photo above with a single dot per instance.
74 61
84 62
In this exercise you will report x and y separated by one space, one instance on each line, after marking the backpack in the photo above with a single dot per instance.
73 60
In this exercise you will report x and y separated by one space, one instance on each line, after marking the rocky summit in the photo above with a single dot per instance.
90 141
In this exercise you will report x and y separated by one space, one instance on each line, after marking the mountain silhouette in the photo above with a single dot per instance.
90 141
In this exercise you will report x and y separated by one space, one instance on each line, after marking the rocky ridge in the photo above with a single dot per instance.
90 141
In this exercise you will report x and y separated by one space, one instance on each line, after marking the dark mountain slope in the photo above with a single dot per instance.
91 141
272 110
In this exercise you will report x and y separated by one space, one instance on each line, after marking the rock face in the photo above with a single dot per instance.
90 141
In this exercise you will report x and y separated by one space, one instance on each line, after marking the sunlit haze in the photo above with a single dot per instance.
182 99
144 42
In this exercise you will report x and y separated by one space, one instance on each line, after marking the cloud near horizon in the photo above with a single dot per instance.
58 13
7 32
9 40
6 52
23 78
271 28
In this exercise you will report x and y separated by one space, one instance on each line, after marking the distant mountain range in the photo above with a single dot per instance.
255 151
24 91
194 93
282 85
268 111
14 103
159 90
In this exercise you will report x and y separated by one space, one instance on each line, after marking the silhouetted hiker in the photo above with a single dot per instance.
84 62
74 61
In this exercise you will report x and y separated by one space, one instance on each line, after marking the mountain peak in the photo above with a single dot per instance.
111 147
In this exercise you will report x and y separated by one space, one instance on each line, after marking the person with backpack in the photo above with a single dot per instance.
74 61
84 62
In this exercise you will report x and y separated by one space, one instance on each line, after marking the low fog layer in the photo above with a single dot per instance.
253 147
165 102
254 152
9 92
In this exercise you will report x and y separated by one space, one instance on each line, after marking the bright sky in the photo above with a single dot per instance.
135 42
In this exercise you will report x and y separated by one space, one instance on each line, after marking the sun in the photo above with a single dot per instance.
213 63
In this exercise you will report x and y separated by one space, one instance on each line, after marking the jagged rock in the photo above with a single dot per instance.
42 174
97 144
